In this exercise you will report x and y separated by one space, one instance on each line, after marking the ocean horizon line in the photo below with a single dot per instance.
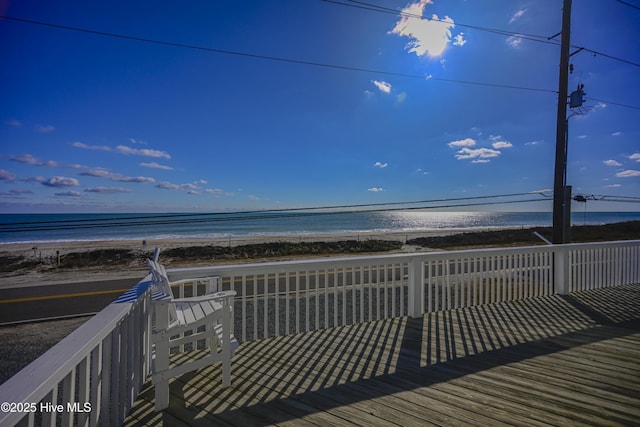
39 228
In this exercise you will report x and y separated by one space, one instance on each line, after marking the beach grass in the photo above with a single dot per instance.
629 230
114 254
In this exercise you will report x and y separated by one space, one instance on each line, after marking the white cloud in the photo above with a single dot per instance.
375 189
5 175
105 173
45 129
401 97
613 185
188 187
514 41
581 136
616 134
481 161
426 36
635 156
168 186
141 179
154 165
380 165
467 142
107 190
532 143
459 40
628 173
14 123
382 86
90 147
69 194
501 144
25 158
15 192
253 198
59 182
482 153
420 171
611 163
123 149
98 173
517 15
30 160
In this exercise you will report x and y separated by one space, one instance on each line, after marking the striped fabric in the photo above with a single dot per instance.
140 288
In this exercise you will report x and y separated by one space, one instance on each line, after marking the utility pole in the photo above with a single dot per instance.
560 217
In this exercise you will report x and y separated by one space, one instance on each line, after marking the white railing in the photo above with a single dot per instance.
281 298
105 362
596 265
91 377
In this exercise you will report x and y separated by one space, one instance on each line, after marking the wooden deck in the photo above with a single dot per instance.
560 360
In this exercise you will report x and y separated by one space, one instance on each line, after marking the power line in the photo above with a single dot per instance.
615 103
250 214
373 7
628 4
271 58
533 37
597 53
107 224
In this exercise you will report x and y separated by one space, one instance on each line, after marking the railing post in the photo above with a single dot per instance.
416 287
561 270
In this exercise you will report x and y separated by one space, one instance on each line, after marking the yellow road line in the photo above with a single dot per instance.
79 294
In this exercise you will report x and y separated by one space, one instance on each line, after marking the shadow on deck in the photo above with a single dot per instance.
557 360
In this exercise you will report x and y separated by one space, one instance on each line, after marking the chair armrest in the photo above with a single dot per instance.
208 297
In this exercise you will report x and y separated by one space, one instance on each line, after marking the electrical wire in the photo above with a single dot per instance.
628 4
254 217
272 58
615 103
373 7
595 52
245 214
533 37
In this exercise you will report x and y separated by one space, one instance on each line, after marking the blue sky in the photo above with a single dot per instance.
92 123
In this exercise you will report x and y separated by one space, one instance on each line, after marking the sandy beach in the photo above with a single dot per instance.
48 251
24 264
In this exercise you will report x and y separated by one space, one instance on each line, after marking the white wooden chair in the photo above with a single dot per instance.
181 324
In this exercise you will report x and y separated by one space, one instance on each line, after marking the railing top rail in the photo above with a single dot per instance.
340 261
616 243
345 261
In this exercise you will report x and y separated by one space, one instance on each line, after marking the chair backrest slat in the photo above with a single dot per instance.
161 288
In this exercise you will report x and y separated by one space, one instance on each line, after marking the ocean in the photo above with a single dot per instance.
28 228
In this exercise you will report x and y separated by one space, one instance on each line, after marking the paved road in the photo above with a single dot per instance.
46 301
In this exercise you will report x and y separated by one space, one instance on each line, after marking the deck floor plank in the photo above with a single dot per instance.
552 360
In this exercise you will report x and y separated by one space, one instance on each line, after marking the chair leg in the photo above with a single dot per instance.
162 395
226 373
161 365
